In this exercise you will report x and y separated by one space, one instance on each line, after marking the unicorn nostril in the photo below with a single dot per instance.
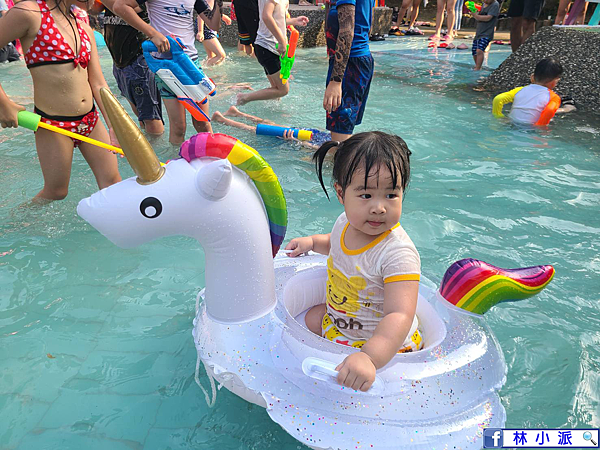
151 207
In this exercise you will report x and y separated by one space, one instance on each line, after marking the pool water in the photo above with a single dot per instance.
96 348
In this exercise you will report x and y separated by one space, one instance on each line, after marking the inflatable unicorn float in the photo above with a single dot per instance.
249 330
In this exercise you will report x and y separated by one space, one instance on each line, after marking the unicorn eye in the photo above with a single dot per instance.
151 207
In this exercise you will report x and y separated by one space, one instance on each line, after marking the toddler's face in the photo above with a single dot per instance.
376 208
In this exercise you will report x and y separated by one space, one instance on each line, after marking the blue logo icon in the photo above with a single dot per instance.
492 438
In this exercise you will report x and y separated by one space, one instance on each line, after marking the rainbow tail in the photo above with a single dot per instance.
476 286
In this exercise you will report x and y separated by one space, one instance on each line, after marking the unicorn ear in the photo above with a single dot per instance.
214 180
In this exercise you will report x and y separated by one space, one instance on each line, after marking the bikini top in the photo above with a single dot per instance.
50 47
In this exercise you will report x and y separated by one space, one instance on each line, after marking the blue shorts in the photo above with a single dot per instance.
137 84
355 91
319 137
480 44
164 90
210 34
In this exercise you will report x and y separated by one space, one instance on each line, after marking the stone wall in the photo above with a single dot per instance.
577 50
312 35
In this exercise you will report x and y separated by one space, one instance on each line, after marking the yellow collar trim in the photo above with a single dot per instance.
371 244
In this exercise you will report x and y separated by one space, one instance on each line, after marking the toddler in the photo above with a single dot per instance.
532 102
373 268
486 24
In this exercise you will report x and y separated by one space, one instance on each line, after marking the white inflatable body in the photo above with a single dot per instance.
246 331
442 395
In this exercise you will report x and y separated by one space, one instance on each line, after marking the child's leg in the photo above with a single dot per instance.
402 12
314 318
233 111
479 59
201 126
176 114
218 117
277 90
214 50
103 163
55 153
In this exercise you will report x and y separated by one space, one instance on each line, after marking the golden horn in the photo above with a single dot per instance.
136 147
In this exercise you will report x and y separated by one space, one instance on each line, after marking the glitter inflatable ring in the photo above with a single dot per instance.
249 329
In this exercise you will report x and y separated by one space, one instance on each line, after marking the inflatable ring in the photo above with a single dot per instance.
249 330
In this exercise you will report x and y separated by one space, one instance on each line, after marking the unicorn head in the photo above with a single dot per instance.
221 193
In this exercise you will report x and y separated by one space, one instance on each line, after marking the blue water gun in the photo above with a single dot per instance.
191 86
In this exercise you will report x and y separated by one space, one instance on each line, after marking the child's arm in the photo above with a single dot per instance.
502 99
484 18
126 10
333 93
200 34
357 371
300 21
267 18
320 243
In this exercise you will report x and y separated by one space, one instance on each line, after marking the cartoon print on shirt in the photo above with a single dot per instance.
342 293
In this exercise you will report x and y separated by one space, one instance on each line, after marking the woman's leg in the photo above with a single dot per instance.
402 12
55 153
441 5
561 12
414 13
103 163
450 16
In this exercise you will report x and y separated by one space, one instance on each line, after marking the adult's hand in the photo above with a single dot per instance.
333 96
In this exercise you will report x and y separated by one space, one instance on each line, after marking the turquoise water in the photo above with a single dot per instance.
95 342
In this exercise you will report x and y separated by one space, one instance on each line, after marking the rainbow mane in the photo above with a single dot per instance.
476 286
245 158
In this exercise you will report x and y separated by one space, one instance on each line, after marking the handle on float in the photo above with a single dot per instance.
32 121
275 130
287 60
322 370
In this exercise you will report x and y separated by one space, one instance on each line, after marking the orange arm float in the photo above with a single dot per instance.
549 110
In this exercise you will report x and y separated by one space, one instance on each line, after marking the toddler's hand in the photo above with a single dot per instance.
226 19
199 36
357 372
299 246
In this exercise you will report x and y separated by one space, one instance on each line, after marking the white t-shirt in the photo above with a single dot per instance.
264 37
356 278
529 103
177 19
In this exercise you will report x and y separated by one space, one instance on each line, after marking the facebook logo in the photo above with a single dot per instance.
492 438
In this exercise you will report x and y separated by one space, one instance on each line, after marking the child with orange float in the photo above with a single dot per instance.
373 269
67 78
536 103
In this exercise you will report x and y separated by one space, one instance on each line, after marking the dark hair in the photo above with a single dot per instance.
547 70
372 149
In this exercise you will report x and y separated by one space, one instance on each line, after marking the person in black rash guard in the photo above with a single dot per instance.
134 78
247 22
175 19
